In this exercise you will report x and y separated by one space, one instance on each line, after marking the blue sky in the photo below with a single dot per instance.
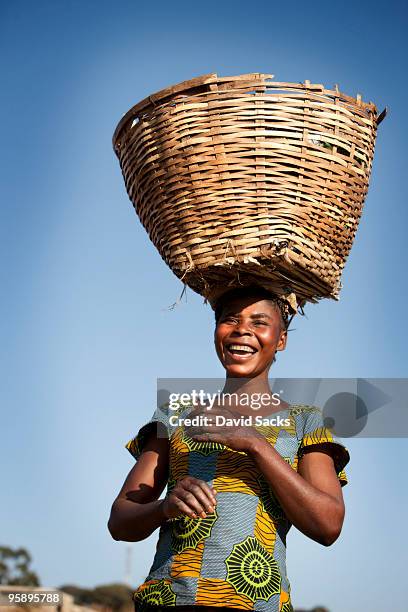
85 330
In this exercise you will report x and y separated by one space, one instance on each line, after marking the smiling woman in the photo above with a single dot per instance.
235 486
251 326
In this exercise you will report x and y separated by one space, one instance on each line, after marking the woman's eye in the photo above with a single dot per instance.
260 322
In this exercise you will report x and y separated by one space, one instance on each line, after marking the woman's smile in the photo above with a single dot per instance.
240 352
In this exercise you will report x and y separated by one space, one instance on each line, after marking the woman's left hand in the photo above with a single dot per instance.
236 436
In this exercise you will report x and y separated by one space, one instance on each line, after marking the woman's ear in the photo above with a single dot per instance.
282 340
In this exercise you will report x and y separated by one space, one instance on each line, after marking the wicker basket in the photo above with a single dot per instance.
243 179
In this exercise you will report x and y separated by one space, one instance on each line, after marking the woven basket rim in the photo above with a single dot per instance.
218 292
187 148
212 80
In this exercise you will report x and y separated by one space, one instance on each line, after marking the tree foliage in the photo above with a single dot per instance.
14 567
114 597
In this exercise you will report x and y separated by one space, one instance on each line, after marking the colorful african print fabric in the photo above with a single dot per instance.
236 556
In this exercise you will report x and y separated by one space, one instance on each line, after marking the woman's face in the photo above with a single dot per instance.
252 322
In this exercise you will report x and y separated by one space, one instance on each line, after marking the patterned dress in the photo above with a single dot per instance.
236 556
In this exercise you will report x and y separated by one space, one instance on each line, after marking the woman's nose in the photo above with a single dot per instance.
243 327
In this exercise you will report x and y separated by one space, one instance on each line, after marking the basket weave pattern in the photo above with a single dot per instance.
238 178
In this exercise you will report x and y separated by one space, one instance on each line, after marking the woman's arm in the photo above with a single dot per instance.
311 498
137 511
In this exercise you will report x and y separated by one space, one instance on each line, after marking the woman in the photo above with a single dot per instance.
233 490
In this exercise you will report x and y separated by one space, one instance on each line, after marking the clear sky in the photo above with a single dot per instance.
85 330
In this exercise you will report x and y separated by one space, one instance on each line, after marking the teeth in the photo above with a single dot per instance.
240 347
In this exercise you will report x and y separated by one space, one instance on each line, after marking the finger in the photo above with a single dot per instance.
210 437
202 437
190 499
208 491
202 494
209 412
198 431
221 411
193 431
199 412
185 508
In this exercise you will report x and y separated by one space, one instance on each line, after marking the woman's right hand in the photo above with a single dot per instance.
190 496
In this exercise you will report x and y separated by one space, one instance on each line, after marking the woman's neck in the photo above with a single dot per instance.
247 386
243 389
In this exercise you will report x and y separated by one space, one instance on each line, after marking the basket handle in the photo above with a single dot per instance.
381 116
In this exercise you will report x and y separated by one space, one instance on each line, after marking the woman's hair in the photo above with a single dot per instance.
252 291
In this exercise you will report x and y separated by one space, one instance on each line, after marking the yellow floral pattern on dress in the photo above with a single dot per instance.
253 571
156 593
189 533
